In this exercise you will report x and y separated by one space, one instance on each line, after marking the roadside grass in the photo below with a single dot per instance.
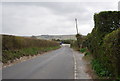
85 51
10 55
82 50
99 69
88 58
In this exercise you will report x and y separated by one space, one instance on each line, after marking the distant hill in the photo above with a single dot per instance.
60 37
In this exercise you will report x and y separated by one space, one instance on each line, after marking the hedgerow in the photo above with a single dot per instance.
15 47
103 41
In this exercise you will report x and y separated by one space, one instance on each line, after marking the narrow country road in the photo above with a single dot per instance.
58 64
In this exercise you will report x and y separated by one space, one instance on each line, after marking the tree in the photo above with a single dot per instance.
79 40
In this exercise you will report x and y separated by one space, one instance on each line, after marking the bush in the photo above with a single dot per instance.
87 53
83 50
99 68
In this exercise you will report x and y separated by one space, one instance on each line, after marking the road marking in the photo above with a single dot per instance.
75 67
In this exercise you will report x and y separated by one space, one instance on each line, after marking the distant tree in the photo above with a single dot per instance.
34 37
58 40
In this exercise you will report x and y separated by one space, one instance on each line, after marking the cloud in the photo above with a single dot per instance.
0 18
31 18
59 0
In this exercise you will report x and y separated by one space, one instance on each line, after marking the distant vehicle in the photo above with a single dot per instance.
61 43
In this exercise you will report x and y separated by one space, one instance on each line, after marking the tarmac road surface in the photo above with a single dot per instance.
57 64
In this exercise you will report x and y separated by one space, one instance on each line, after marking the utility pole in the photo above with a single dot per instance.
77 35
76 25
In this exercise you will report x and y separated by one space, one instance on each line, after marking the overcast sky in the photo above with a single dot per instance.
43 18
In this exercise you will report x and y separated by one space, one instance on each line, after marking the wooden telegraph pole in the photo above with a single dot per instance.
78 35
76 25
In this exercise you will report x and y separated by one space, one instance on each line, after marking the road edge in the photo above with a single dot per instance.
75 67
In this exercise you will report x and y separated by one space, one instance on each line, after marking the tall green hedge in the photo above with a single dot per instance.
111 55
105 23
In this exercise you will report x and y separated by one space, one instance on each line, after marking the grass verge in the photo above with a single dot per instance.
99 69
10 55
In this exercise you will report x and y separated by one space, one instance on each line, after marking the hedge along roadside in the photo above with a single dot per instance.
111 55
15 47
105 23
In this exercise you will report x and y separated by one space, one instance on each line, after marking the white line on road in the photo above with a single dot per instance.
75 67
